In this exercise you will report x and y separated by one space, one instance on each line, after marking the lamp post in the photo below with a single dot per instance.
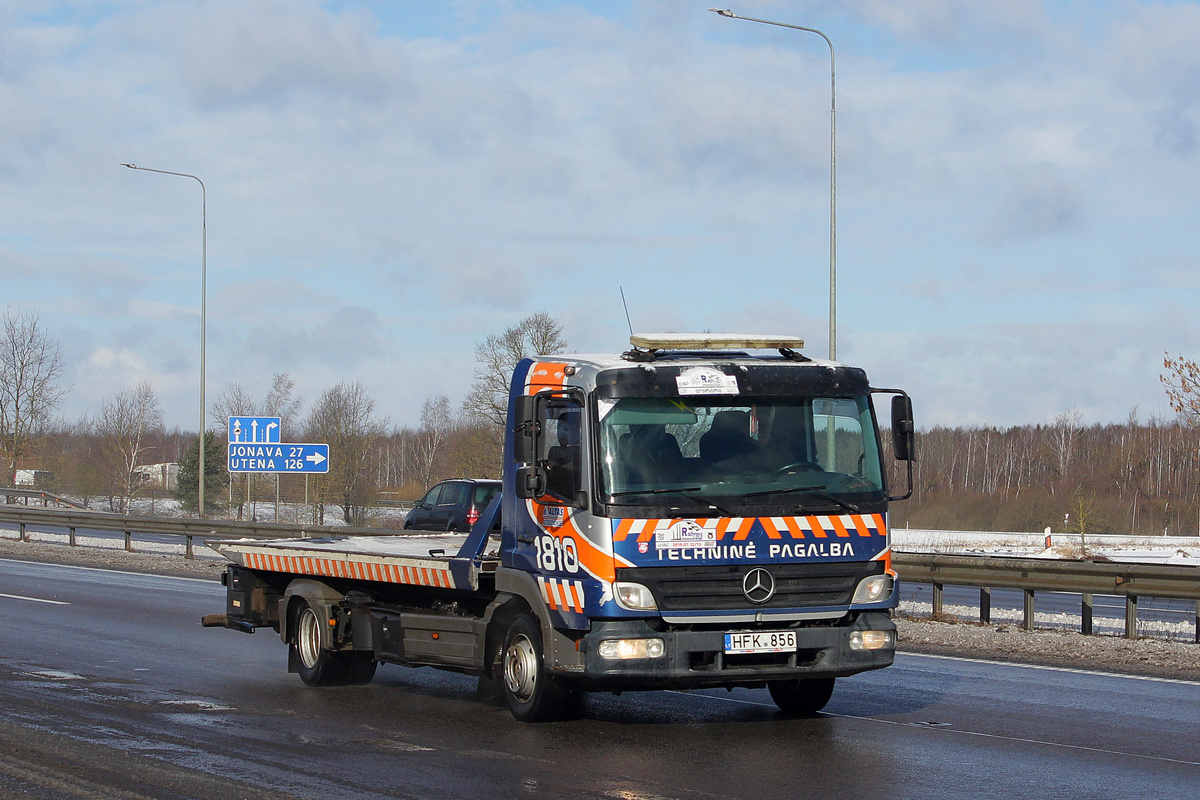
203 314
724 12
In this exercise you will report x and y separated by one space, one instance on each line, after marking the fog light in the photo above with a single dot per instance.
872 589
634 596
870 640
631 648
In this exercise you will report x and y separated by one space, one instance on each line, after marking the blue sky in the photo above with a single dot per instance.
390 182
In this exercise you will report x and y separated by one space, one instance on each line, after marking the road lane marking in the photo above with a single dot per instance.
950 728
35 599
1049 668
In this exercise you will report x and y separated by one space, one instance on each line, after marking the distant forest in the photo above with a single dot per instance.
1139 478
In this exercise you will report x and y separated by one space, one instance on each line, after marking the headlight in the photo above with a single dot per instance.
630 648
872 589
870 640
634 597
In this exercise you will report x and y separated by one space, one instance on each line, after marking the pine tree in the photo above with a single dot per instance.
216 475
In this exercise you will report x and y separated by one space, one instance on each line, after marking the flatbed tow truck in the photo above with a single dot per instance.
701 510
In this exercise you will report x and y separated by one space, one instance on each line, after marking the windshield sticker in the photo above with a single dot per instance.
684 534
705 380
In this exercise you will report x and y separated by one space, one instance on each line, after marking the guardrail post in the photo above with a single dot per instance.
1028 622
1130 616
71 535
1198 622
937 599
189 553
129 541
985 605
1085 626
24 534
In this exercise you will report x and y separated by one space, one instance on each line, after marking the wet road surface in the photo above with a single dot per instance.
109 687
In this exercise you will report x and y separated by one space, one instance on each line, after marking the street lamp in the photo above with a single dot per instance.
724 12
203 312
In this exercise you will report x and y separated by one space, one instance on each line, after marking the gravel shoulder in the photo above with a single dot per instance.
1008 643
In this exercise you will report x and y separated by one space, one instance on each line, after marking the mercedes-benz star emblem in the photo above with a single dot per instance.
758 585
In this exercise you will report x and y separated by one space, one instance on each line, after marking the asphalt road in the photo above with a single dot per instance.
109 687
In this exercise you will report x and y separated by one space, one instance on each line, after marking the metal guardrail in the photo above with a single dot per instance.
1030 575
9 492
189 529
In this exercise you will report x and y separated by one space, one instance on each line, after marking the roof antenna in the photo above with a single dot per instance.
627 320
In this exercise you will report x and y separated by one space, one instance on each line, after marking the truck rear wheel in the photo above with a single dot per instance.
801 697
321 667
531 693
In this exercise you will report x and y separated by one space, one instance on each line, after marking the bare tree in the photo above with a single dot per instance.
496 356
1182 384
127 425
233 402
280 403
1068 428
30 368
343 417
431 438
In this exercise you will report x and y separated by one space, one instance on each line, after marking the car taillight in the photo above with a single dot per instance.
472 516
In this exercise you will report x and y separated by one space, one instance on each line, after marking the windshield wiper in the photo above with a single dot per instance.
689 492
815 491
789 490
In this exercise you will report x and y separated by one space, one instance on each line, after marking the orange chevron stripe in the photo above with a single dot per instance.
623 529
839 527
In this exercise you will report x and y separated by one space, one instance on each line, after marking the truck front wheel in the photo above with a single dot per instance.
532 694
801 697
320 667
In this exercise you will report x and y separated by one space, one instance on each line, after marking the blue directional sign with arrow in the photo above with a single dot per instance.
278 457
254 430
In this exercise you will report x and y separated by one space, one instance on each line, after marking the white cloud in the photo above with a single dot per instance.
379 194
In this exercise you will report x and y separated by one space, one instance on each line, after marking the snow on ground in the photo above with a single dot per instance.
1183 550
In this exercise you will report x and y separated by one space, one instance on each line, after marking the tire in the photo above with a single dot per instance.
318 666
801 697
360 667
531 693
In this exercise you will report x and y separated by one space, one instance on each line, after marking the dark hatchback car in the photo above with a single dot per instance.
451 505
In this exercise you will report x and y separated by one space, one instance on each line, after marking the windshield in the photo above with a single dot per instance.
735 452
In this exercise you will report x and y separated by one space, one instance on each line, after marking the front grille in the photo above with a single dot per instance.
719 588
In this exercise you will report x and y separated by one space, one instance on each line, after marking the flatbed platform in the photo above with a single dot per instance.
417 559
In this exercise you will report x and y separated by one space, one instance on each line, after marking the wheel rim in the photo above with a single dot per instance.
520 668
308 638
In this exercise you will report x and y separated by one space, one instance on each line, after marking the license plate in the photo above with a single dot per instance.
760 642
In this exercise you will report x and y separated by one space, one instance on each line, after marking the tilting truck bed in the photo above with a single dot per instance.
446 561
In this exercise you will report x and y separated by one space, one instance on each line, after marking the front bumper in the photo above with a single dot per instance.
696 658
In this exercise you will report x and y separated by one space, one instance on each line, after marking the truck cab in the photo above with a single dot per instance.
696 512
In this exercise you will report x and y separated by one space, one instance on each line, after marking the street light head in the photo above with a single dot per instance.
131 166
724 12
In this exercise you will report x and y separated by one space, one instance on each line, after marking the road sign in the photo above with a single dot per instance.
279 457
256 430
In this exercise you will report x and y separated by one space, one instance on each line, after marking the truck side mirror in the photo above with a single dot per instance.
525 429
903 430
531 482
